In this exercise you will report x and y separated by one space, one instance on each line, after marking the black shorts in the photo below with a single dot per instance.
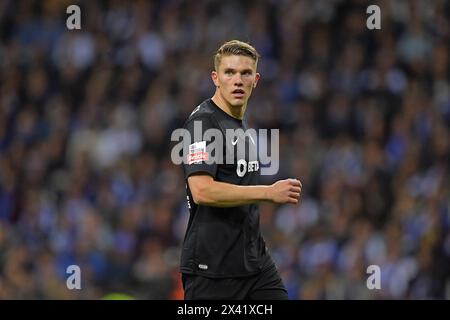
266 285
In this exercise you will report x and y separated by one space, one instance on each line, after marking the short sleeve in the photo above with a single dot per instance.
195 158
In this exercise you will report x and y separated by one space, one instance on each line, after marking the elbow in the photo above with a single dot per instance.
200 187
195 197
199 195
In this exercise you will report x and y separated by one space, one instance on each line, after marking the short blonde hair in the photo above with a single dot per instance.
235 47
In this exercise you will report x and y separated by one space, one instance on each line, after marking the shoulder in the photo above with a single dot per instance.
203 112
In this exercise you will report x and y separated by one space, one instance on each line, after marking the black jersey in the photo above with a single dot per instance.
222 242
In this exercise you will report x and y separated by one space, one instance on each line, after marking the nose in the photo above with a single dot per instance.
238 80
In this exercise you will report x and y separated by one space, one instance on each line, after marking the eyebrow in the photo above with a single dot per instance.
242 71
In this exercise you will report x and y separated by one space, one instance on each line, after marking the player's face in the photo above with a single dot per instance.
235 79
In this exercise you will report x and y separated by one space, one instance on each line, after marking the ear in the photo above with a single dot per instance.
257 76
215 78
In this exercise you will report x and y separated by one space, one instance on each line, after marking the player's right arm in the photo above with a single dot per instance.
206 191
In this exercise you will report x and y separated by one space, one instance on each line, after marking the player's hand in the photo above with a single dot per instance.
286 191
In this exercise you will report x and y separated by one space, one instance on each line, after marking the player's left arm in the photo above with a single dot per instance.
206 191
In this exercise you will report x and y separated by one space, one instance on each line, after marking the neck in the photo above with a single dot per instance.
236 112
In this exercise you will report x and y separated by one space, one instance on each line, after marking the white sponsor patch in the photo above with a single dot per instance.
197 152
203 266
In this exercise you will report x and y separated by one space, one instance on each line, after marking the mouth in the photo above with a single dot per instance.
238 93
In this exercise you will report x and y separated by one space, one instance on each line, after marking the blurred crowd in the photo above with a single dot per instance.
86 117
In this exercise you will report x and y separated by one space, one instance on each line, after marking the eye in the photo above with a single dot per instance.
228 72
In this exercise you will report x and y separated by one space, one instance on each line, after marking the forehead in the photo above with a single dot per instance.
237 62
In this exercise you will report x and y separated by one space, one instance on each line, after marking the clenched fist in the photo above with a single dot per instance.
285 191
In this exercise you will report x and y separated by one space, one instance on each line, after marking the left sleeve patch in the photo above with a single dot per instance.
197 153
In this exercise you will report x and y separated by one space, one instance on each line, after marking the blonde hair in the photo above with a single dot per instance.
235 47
